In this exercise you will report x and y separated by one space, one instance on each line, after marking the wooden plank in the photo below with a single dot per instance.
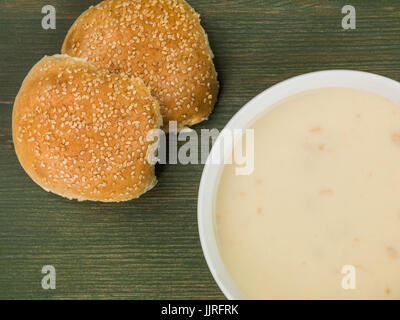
149 248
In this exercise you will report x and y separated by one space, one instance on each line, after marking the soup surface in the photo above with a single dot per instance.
319 217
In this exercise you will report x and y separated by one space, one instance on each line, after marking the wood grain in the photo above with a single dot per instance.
149 248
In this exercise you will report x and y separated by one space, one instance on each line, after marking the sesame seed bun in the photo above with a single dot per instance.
80 132
160 41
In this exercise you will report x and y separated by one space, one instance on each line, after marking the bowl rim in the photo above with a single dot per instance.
248 112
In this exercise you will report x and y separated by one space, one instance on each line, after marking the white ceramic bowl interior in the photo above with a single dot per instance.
242 119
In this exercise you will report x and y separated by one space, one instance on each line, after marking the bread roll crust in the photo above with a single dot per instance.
80 132
160 41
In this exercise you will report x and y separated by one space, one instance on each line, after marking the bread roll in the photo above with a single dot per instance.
80 132
160 41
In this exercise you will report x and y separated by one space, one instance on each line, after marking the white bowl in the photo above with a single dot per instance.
262 102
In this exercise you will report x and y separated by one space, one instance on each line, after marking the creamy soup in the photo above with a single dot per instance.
319 218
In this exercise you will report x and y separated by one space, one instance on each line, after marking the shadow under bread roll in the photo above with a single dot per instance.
80 131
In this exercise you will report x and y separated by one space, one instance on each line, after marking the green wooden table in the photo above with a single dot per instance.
149 248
